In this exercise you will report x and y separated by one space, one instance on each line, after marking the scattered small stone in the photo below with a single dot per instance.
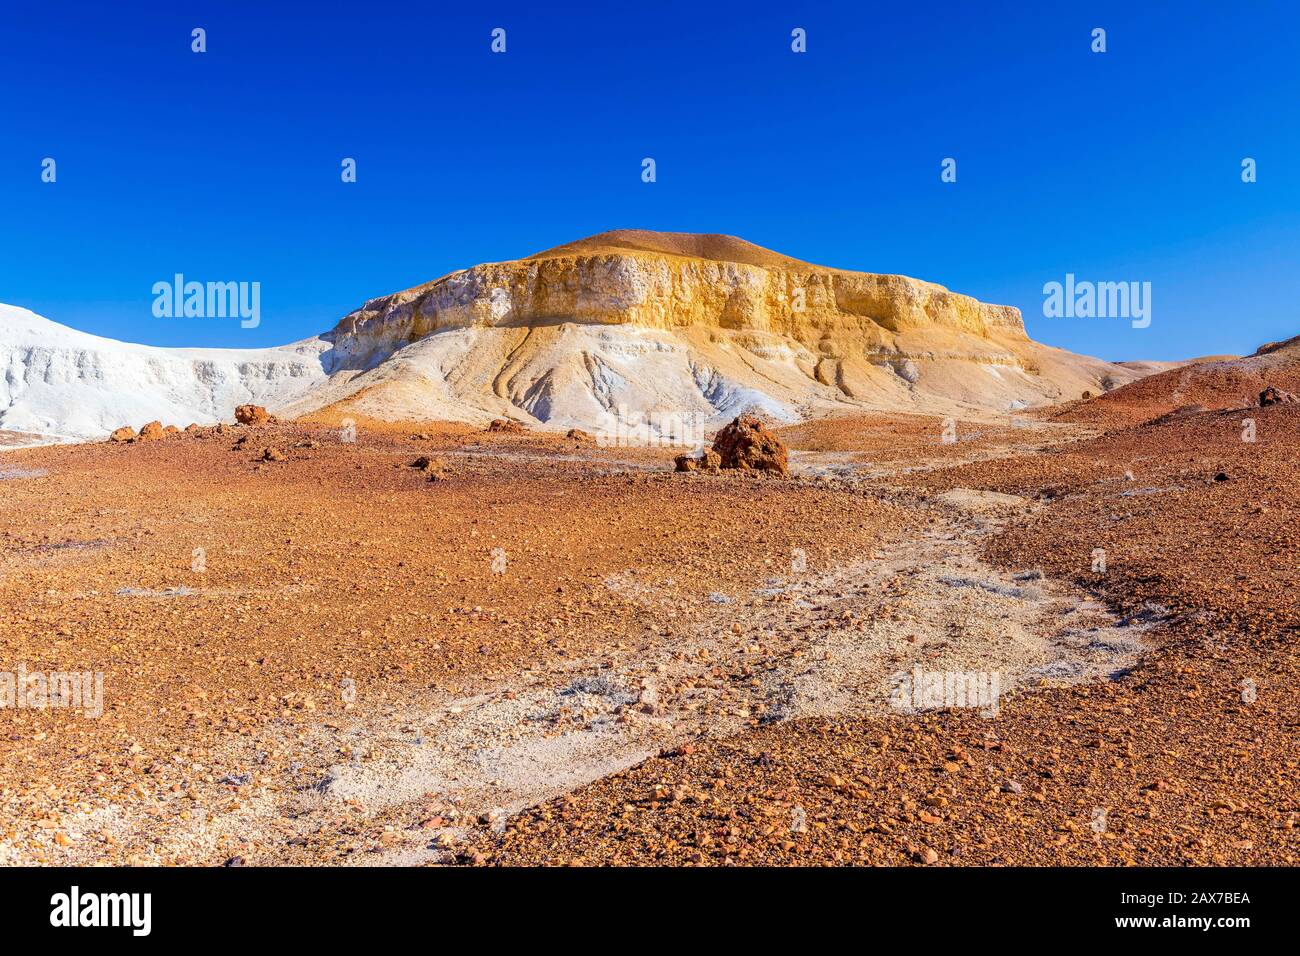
1276 396
707 460
425 463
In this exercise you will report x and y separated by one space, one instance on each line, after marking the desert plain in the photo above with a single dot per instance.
404 643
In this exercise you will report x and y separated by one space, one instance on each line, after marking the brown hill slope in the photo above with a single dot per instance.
1232 383
689 245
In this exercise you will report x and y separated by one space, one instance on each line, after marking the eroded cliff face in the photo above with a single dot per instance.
829 312
695 328
682 331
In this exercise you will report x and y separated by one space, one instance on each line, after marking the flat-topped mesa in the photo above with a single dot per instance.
636 336
672 282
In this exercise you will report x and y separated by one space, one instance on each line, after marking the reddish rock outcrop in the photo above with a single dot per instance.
707 460
125 433
747 443
1275 396
253 415
508 425
151 432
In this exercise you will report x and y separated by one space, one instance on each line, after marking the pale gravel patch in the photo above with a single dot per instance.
489 753
925 599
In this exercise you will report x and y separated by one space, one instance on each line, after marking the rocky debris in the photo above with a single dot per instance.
151 432
125 433
272 454
1179 413
577 434
507 425
707 460
171 430
925 855
253 415
193 429
1276 396
747 443
435 468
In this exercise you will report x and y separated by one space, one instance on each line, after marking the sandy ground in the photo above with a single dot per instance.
563 653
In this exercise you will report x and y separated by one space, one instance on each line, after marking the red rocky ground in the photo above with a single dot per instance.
333 561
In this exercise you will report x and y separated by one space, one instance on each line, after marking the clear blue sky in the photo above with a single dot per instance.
225 165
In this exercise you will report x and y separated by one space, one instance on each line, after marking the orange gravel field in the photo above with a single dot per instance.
536 650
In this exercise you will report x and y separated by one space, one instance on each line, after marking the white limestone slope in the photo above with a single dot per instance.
67 384
574 375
